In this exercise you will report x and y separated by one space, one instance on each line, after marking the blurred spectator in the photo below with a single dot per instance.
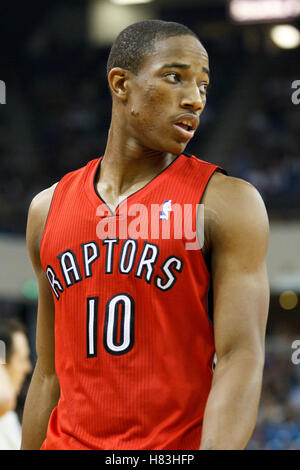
12 376
267 154
278 423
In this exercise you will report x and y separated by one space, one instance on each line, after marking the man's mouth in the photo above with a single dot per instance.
187 126
185 130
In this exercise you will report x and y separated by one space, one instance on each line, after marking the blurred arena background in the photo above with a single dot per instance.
54 117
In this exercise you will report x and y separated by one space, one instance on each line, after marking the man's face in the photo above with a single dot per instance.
19 364
168 95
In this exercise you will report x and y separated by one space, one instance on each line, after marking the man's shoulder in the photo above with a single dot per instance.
37 217
41 201
232 204
229 189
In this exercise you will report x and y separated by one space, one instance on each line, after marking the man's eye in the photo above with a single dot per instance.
203 88
173 77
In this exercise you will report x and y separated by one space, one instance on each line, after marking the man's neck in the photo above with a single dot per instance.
127 164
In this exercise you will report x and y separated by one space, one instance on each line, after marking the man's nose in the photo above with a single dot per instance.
193 100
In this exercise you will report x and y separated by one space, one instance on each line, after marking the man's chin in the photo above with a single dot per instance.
177 149
173 147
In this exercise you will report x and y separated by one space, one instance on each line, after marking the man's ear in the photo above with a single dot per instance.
118 83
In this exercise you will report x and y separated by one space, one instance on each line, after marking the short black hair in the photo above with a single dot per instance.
9 326
138 40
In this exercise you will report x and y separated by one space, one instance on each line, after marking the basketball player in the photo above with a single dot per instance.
125 342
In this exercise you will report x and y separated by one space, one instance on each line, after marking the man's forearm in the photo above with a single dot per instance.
42 397
231 409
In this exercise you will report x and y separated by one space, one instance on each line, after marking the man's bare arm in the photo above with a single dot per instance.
238 240
43 392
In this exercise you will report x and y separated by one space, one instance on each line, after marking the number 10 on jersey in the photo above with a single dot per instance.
118 332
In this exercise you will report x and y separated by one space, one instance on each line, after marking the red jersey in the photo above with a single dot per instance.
134 345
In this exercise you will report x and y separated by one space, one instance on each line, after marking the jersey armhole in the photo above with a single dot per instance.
207 258
46 223
216 170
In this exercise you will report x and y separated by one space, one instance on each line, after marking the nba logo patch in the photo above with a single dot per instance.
167 207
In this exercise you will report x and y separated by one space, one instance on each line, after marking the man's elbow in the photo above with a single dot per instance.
244 358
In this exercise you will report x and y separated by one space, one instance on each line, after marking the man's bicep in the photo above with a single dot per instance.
239 274
45 327
37 215
240 311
